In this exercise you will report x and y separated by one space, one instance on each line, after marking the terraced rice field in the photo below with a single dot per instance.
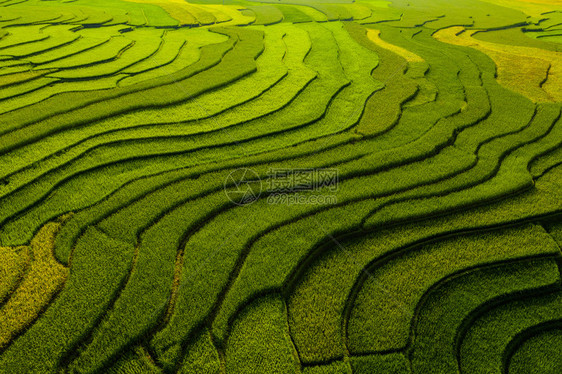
145 221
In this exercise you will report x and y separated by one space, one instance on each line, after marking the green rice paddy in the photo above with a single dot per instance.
127 126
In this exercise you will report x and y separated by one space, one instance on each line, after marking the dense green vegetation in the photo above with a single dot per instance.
123 122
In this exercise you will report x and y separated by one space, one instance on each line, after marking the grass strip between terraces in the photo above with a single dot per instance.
41 282
260 340
84 43
103 53
301 329
451 302
208 76
201 357
215 103
503 155
206 241
22 35
470 138
539 354
129 194
508 177
19 78
267 74
146 44
154 236
500 326
266 14
144 298
136 360
14 263
382 110
545 162
321 308
293 14
173 42
99 266
384 307
15 91
60 36
40 120
532 72
125 214
57 87
161 164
